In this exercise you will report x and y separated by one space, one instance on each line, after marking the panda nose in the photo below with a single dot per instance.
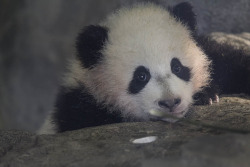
169 103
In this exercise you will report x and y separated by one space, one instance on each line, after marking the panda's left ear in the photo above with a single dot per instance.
89 43
184 13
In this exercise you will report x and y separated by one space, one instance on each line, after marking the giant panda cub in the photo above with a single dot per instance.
140 59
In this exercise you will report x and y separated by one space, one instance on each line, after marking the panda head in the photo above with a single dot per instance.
140 59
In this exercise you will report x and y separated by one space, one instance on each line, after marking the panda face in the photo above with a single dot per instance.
167 90
146 60
159 95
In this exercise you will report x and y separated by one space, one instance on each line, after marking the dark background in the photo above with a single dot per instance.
37 38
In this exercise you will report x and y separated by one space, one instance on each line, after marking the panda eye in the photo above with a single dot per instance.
177 69
140 79
142 76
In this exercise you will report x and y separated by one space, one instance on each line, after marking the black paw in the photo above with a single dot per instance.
207 96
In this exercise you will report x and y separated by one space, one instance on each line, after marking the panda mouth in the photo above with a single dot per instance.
175 113
164 116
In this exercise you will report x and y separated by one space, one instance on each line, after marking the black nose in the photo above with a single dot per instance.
169 103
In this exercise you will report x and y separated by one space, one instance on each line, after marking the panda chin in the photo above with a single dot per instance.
171 120
168 116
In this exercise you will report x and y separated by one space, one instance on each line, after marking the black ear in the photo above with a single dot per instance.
89 43
184 13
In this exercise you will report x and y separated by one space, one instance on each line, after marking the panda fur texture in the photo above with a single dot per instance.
144 58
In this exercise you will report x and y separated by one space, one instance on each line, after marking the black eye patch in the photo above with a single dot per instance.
179 70
140 79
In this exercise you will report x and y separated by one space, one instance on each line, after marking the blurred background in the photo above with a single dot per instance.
37 39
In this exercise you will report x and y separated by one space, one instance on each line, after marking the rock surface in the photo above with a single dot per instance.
216 135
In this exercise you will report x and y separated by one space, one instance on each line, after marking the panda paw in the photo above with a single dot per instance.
215 99
206 97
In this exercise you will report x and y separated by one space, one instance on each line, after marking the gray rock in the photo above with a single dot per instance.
100 146
232 113
216 135
228 150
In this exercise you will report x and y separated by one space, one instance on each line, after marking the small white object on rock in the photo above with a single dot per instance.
143 140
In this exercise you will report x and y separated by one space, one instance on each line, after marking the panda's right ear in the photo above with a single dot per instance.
89 43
